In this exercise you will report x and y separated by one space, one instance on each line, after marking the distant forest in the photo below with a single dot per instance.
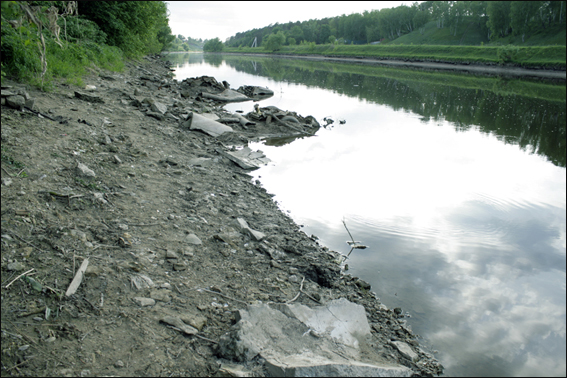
498 19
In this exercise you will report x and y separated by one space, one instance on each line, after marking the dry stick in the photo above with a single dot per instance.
8 173
222 295
28 243
298 294
15 279
21 363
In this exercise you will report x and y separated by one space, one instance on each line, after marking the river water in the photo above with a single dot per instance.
455 183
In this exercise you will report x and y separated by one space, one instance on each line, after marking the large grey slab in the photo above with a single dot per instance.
206 125
296 340
246 158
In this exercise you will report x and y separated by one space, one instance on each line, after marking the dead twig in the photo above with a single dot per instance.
28 243
222 295
21 363
15 279
298 294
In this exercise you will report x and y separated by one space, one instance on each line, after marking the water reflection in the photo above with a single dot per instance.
530 114
466 226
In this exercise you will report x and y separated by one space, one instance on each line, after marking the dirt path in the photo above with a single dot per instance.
470 68
154 207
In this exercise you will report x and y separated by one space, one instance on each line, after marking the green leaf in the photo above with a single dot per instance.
34 284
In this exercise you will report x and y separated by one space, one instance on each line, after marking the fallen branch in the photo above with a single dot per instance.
298 294
354 244
72 289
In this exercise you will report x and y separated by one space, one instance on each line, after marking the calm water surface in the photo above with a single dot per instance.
457 185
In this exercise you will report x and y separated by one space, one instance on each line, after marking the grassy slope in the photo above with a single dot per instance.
441 45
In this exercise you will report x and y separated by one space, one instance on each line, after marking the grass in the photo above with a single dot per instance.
527 56
21 59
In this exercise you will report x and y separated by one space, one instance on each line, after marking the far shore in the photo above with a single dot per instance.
477 68
473 68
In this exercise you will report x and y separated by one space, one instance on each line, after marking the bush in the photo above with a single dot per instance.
507 53
275 41
213 45
79 29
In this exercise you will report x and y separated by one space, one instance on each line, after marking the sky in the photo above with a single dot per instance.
223 19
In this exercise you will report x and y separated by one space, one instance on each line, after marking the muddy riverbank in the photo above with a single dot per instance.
180 242
473 68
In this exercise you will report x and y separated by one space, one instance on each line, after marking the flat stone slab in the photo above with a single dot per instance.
246 158
88 97
314 366
228 95
296 340
207 125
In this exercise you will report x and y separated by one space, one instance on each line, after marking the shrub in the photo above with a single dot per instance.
507 53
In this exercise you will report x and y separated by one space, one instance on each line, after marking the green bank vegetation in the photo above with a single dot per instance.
46 40
527 56
284 69
525 33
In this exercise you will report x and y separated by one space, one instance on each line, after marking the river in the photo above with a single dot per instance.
456 183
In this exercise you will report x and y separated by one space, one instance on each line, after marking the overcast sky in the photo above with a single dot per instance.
223 19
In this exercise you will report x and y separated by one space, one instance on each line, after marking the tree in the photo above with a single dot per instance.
213 45
133 26
332 39
291 41
419 20
498 17
275 41
521 13
296 33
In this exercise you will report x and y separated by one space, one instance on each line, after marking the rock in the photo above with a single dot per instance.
30 104
405 350
143 302
363 284
16 266
90 88
398 311
83 170
80 235
195 321
7 181
178 323
93 271
142 282
255 234
156 115
119 364
169 254
245 158
208 126
295 340
88 97
161 295
158 107
310 366
193 239
17 102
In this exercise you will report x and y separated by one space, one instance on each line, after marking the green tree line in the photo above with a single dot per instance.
497 19
46 39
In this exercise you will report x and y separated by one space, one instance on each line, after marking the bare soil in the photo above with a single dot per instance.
158 187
